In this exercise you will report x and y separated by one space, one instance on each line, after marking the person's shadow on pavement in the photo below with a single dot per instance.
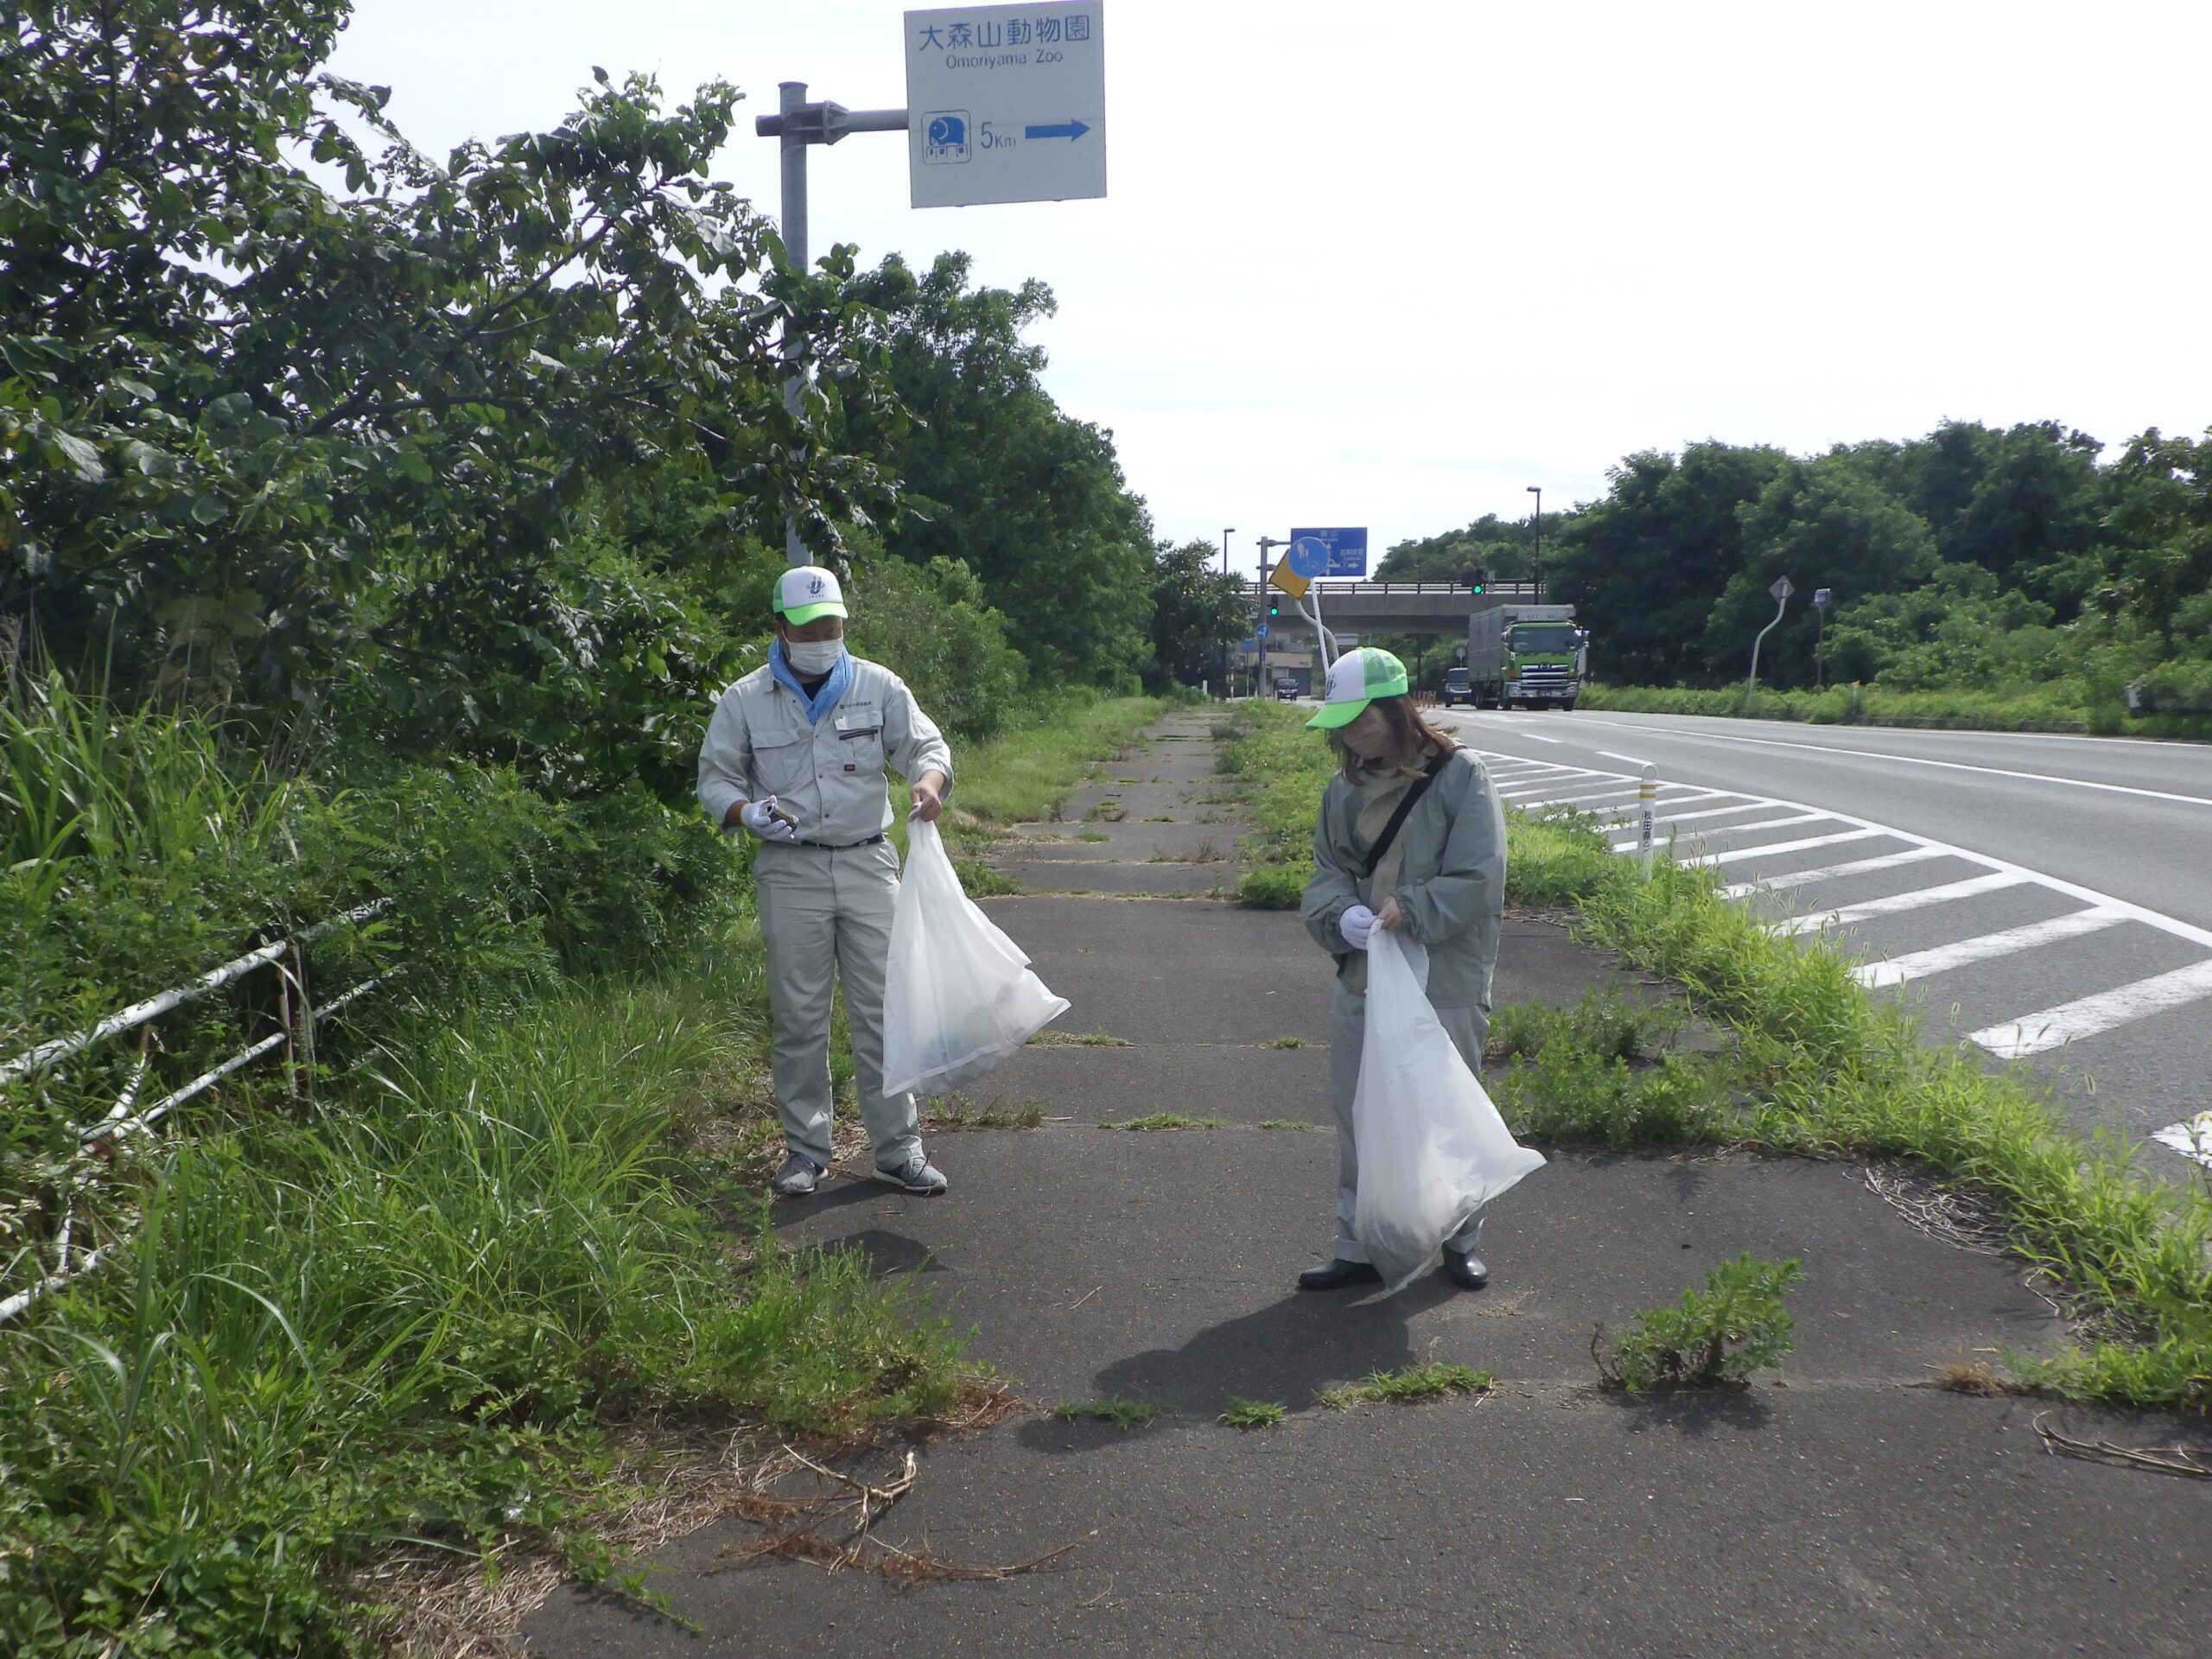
1286 1352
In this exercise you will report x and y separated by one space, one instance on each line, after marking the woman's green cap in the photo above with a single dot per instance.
1356 679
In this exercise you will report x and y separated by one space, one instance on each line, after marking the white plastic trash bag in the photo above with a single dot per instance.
959 996
1432 1150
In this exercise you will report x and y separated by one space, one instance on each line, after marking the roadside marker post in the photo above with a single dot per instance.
1037 78
1647 800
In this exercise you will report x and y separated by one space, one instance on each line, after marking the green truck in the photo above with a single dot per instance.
1526 656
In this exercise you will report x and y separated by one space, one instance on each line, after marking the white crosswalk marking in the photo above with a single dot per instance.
1757 824
1533 785
2039 1033
1984 947
1899 902
1831 872
1688 798
1737 856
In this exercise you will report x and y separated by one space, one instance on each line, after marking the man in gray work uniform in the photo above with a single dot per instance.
794 754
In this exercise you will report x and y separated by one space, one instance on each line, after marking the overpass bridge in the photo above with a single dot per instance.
1365 607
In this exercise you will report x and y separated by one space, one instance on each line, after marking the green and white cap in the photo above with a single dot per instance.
1356 679
806 591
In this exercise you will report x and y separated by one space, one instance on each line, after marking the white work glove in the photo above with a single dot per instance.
1356 924
759 817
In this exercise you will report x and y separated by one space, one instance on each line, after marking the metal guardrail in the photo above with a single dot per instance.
297 1019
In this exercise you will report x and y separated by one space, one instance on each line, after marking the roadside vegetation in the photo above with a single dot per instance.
2060 707
1811 1064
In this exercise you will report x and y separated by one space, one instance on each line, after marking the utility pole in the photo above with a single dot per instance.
796 125
1821 598
1536 558
1267 544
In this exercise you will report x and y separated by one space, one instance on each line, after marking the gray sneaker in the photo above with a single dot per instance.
797 1177
916 1174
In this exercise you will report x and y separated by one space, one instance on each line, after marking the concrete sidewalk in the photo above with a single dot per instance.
1840 1510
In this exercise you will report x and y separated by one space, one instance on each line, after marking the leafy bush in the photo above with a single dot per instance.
1736 1326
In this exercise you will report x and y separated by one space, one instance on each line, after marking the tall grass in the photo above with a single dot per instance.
1026 773
412 1319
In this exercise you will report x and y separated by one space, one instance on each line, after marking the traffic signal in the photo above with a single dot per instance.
1273 609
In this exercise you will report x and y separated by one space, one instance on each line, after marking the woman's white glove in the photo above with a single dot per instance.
761 817
1356 924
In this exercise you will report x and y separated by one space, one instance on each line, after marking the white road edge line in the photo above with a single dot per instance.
1920 760
1983 947
2039 1033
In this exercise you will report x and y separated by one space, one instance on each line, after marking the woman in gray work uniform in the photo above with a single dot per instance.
1412 836
796 754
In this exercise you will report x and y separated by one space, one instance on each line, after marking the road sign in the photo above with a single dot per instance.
1283 576
1308 556
1781 590
1262 631
1821 597
1347 548
1005 103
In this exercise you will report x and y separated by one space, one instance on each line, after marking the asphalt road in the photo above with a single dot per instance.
2048 898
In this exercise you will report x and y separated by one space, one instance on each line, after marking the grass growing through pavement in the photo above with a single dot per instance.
959 1112
1168 1120
1283 1124
1049 1038
1252 1413
1736 1326
1125 1414
1823 1068
1431 1381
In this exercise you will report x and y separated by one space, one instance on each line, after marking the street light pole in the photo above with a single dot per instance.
1225 535
1536 558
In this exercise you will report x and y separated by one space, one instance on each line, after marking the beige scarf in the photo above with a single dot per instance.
1381 785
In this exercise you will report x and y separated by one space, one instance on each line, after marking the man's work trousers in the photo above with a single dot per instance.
821 908
1467 1028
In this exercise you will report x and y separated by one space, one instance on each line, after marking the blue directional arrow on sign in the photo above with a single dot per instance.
1068 130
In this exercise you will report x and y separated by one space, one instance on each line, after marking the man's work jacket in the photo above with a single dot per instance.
829 775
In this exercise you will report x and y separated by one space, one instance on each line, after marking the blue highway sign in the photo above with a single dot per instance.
1347 550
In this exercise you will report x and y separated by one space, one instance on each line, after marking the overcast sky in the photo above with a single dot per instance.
1389 264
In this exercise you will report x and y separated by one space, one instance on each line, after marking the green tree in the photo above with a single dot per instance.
1823 524
998 478
1645 565
314 452
1197 611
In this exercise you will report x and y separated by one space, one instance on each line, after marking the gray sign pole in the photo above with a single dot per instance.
1781 590
796 125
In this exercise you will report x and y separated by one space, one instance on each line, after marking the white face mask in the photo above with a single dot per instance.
810 658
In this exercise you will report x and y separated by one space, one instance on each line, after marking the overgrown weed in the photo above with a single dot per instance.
1725 1333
